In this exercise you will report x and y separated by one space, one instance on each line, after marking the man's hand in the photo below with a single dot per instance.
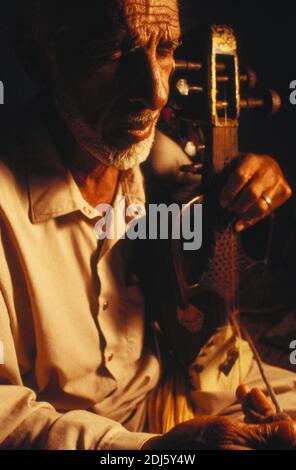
225 434
254 189
257 407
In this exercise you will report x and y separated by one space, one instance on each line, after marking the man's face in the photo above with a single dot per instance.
114 100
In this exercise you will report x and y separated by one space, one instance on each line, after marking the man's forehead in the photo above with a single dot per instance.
152 15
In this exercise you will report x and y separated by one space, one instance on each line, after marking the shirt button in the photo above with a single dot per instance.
105 305
87 210
110 357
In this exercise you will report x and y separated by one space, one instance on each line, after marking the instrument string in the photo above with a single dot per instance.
234 303
233 299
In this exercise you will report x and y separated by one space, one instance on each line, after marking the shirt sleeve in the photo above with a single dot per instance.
29 424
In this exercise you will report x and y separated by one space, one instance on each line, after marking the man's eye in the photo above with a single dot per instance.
116 55
108 58
165 51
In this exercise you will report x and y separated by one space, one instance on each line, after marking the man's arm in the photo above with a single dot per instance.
29 424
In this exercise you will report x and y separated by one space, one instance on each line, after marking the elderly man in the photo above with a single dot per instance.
79 361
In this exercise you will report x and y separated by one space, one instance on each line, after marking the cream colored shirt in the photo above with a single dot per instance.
78 359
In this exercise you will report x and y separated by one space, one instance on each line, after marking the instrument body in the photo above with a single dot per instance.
191 297
206 281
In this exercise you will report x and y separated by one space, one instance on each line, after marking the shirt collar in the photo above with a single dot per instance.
52 189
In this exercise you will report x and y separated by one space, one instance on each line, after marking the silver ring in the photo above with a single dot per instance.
267 200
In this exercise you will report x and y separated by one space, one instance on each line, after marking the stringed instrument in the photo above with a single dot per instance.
192 296
209 90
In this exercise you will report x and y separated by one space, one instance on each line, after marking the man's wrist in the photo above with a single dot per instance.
153 443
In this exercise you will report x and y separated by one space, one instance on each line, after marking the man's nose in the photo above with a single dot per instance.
150 82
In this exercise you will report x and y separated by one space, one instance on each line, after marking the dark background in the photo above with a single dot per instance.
266 38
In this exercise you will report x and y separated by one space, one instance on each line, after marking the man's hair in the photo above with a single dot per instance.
40 23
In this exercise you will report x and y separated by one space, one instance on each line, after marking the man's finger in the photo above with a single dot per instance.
242 393
250 167
248 196
281 435
234 185
242 224
258 409
261 402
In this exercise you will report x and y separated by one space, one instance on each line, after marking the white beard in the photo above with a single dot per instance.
92 142
120 159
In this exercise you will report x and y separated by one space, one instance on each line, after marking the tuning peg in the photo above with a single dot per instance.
222 104
194 168
250 78
270 102
187 66
185 89
192 150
